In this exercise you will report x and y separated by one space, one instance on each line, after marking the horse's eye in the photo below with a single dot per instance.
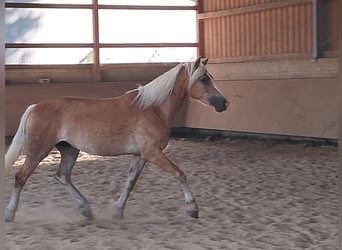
204 79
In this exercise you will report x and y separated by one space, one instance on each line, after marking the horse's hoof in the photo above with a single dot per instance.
8 220
86 211
120 214
193 213
9 217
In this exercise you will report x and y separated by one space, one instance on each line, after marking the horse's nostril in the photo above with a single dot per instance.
225 103
219 102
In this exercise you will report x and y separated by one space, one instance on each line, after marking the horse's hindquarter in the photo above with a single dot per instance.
97 126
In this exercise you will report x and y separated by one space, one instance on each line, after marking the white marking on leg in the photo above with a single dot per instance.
188 196
12 206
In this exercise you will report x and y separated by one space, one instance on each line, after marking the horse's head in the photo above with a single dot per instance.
202 87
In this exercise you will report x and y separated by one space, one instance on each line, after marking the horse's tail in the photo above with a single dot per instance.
18 141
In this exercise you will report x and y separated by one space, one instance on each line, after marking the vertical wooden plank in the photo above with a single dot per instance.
234 35
228 4
215 28
309 28
212 38
218 36
297 29
303 27
257 31
249 32
273 23
279 34
267 32
291 29
207 37
238 35
221 6
263 32
242 42
223 37
229 36
205 34
285 31
252 31
225 4
234 3
96 42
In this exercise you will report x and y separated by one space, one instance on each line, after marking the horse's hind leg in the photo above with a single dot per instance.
21 177
68 158
137 165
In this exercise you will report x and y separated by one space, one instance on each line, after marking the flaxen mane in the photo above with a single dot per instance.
158 90
155 92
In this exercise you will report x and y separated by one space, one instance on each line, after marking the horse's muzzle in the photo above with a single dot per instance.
220 103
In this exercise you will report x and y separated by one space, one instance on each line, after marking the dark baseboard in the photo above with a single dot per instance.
199 133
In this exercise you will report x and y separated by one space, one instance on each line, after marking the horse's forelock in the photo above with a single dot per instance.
197 73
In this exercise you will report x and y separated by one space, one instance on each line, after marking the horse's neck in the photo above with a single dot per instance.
173 102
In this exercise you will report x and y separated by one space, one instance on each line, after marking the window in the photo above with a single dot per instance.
109 31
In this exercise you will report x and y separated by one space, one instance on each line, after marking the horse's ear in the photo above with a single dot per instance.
197 63
205 61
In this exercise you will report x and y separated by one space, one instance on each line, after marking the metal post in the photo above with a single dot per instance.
314 30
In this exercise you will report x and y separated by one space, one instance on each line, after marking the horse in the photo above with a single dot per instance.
136 123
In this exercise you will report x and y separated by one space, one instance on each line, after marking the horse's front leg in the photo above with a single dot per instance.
137 165
160 160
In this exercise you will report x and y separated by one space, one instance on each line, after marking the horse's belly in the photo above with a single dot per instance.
107 145
109 150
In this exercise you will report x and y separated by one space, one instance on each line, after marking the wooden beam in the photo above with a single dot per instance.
252 8
86 66
100 6
145 7
324 68
47 6
146 45
200 29
101 45
48 66
47 45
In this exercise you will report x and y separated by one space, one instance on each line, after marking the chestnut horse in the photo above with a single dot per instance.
136 123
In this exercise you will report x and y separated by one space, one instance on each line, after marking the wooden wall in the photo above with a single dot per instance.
261 56
281 97
257 28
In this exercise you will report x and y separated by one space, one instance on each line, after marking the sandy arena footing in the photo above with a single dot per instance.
252 194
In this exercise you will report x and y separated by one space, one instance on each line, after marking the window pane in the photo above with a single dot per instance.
147 26
48 56
140 55
48 26
150 2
